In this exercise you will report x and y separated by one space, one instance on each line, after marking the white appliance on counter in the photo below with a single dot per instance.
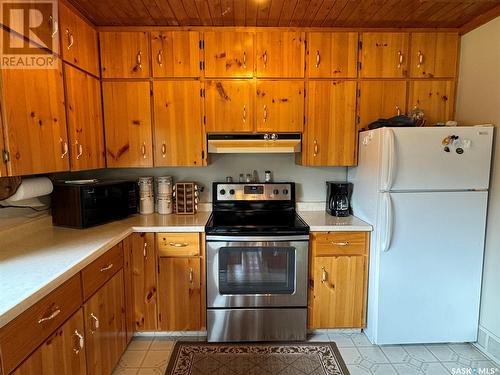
427 201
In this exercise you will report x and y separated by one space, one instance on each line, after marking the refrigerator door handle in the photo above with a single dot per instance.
389 220
391 159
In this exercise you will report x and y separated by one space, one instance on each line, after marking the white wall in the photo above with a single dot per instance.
479 102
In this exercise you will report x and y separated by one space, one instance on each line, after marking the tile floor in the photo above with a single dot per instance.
149 355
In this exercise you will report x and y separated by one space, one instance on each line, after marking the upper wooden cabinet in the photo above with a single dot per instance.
332 55
127 124
380 99
280 106
384 55
84 114
434 98
229 106
35 120
124 54
434 55
78 41
175 53
330 132
229 54
280 54
178 123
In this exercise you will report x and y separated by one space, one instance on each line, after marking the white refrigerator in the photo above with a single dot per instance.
427 202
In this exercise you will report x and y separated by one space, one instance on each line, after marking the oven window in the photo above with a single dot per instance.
256 270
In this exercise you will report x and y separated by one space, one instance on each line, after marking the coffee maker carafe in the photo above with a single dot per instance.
338 198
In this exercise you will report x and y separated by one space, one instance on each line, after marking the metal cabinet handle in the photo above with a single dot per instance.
163 149
145 250
143 150
139 60
159 57
420 59
265 113
69 36
64 149
324 275
55 26
80 342
105 268
244 113
191 276
80 150
264 58
244 60
398 110
400 54
345 243
178 244
316 147
52 315
95 323
318 59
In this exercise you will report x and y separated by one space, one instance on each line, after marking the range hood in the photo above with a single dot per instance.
256 143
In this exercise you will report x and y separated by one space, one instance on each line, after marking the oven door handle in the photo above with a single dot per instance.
303 237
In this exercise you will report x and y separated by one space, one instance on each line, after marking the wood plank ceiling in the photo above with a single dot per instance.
304 13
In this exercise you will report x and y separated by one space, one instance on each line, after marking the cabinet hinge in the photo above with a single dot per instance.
202 44
202 65
158 267
202 154
360 44
5 156
304 120
159 317
202 92
305 92
204 120
359 65
359 93
358 119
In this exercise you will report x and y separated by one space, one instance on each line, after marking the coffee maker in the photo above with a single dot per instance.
338 198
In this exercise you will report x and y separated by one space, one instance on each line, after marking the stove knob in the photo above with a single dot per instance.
285 191
222 192
276 191
231 191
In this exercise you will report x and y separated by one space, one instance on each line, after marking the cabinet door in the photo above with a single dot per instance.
228 54
280 106
35 120
180 294
178 123
124 54
175 53
332 55
84 114
105 327
380 99
384 55
143 281
127 124
339 292
78 41
330 133
280 54
229 105
435 98
128 287
434 55
63 353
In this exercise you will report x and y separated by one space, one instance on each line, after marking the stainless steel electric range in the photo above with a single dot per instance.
257 254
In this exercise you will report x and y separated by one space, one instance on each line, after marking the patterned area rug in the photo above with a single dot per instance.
200 358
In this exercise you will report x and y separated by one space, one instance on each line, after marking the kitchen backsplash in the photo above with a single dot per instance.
310 181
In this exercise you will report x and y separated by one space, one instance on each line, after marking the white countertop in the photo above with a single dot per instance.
36 258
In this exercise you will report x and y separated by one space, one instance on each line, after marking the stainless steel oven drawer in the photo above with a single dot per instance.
280 324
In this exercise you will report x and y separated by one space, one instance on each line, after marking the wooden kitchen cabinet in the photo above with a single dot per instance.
330 131
140 282
63 353
124 54
180 294
279 106
175 53
127 124
434 55
280 54
229 106
229 54
434 98
332 55
78 40
105 327
35 121
178 131
84 115
380 99
338 276
384 55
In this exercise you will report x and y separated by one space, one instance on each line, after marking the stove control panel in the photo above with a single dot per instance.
254 192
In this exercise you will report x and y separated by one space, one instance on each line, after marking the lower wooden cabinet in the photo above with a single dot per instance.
63 353
105 327
338 280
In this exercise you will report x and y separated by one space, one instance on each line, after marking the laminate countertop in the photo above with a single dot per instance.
37 257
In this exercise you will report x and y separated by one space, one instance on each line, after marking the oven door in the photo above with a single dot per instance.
257 271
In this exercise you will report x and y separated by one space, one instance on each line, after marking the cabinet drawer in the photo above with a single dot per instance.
26 332
101 270
178 244
339 243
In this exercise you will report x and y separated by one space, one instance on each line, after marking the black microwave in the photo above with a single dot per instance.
82 205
